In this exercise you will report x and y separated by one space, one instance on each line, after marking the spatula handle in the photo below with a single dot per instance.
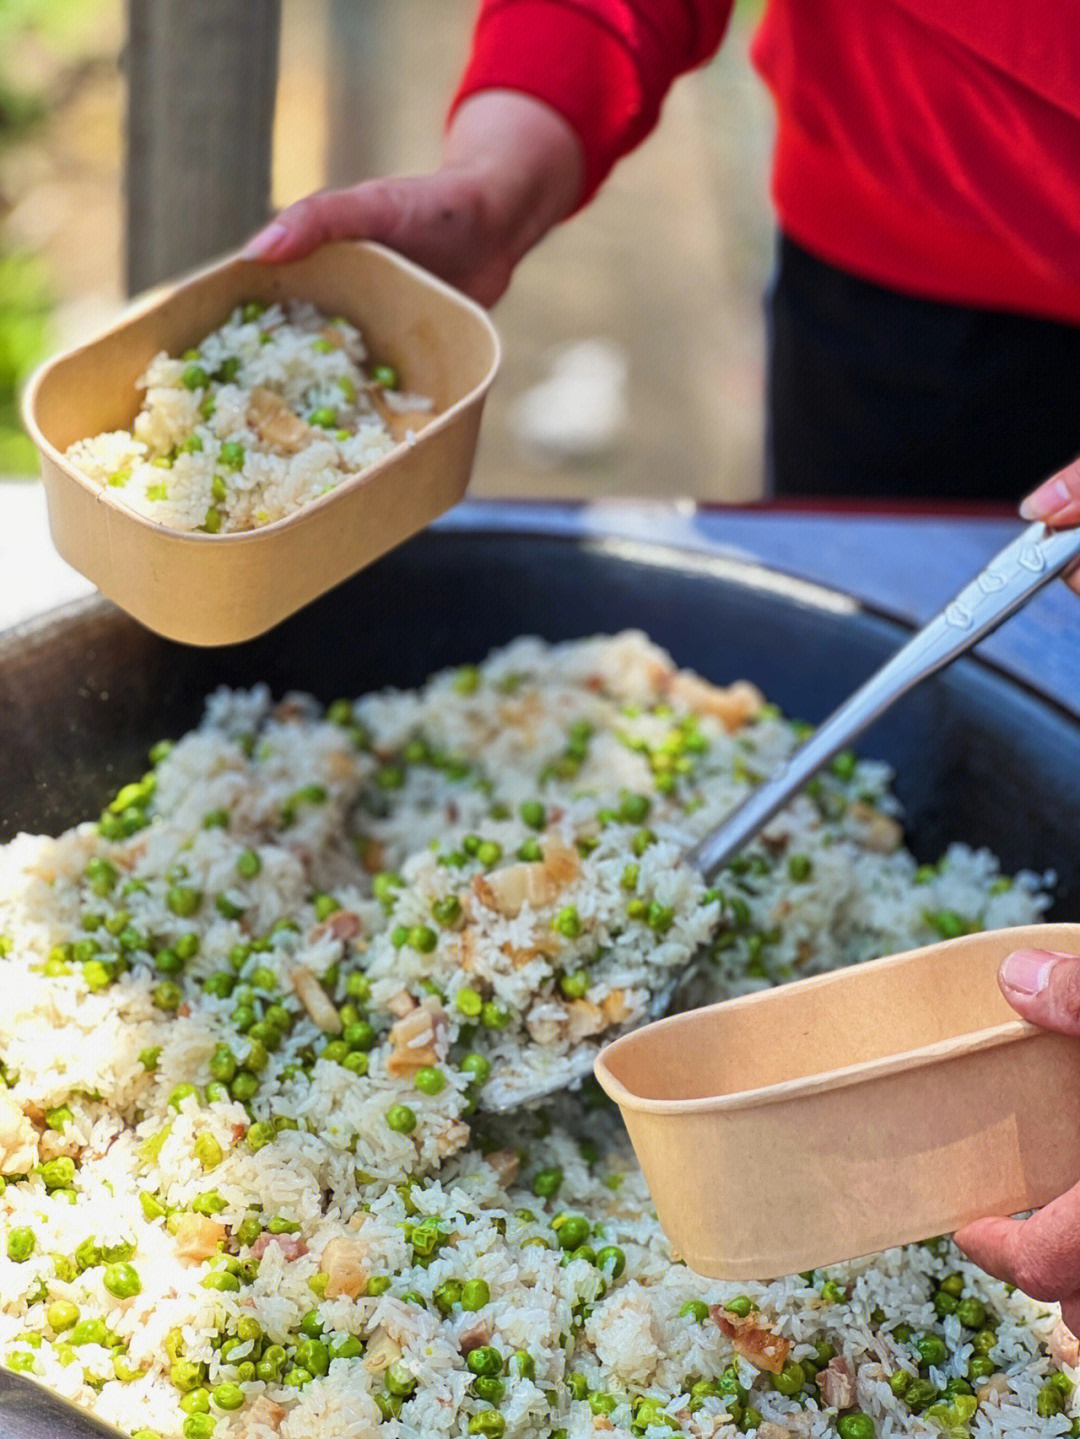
1006 583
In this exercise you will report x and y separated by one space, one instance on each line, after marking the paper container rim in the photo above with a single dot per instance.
843 1076
146 303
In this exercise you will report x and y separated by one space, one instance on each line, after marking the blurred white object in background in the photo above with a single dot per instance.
577 413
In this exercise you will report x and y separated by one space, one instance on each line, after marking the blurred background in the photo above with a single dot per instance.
645 310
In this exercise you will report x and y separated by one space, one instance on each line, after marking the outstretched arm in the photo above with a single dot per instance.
511 169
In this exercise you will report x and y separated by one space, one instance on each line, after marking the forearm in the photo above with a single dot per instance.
603 65
523 162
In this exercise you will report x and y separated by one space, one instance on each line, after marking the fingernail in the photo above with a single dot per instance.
1026 971
1048 500
265 241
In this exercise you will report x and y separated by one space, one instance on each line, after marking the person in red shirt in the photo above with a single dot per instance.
924 319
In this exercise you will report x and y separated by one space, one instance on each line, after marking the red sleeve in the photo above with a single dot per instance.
604 65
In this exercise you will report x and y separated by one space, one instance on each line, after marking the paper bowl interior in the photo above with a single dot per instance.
861 1109
219 589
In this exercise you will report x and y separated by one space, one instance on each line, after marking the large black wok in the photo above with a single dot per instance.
86 691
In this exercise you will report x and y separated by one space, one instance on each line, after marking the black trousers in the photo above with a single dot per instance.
878 395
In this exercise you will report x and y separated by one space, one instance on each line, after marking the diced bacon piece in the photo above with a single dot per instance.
342 1261
583 1019
401 1003
198 1237
837 1384
272 420
342 925
315 1000
381 1352
536 883
290 1245
415 1039
1064 1345
18 1137
768 1430
734 705
261 1413
474 1335
753 1339
452 1138
505 1164
615 1007
877 832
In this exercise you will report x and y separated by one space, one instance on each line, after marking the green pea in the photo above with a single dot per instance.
207 1150
446 1295
196 1401
401 1119
522 1363
378 1284
361 1035
447 910
245 1086
199 1426
324 417
180 1093
21 1242
474 1295
122 1281
348 1348
182 900
313 1355
223 1065
611 1260
62 1314
484 1360
478 1066
231 455
790 1380
490 1389
423 939
430 1080
932 1349
89 1331
571 1230
547 1183
228 1396
971 1313
634 808
468 1002
270 1364
800 867
57 1173
211 522
194 377
400 1379
567 922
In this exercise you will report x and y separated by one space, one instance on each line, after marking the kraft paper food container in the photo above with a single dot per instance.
220 589
840 1115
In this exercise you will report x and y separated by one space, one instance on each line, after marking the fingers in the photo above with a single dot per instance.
365 212
440 222
1040 1255
1043 987
1057 500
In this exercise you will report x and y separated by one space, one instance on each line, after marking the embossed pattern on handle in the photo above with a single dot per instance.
1003 586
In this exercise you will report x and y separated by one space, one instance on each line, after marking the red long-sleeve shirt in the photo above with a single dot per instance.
932 146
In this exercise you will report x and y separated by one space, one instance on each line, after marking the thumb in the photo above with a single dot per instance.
1043 987
1057 500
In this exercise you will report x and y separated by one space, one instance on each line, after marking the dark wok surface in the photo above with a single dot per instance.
85 691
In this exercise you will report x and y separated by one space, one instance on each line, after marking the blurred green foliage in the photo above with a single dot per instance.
25 301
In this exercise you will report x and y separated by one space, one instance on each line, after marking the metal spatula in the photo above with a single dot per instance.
1001 587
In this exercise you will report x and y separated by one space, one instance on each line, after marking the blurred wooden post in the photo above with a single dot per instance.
202 76
355 80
